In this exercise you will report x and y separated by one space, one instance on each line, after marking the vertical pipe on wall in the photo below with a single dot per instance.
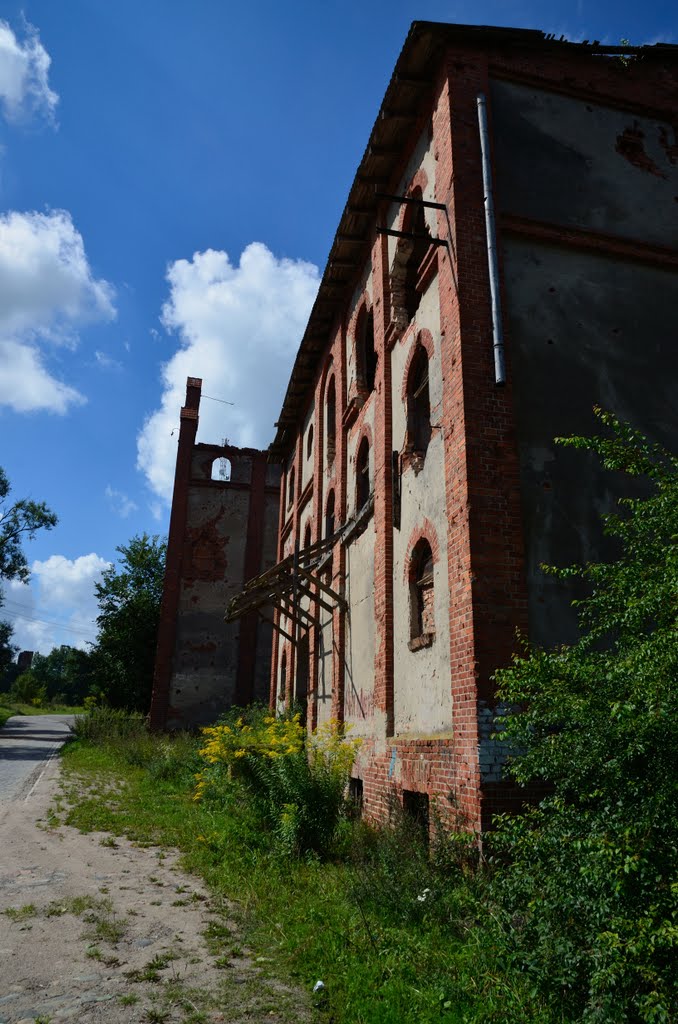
491 235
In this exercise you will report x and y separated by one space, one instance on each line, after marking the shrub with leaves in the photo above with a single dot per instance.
589 877
297 784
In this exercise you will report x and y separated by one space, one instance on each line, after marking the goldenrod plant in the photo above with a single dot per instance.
297 785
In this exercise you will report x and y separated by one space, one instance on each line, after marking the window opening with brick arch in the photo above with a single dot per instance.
307 537
331 414
418 403
221 470
366 355
290 487
422 612
362 475
309 442
329 515
406 269
282 690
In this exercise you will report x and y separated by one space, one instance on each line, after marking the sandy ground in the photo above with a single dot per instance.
100 930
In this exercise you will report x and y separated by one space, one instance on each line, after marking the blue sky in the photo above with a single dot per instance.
171 177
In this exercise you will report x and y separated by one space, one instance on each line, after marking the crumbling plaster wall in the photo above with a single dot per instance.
422 701
360 632
421 169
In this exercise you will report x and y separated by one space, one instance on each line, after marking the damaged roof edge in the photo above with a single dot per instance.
412 76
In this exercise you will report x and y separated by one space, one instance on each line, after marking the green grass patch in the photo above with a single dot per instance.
8 708
393 932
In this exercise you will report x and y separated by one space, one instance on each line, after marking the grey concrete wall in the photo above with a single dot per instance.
566 161
584 329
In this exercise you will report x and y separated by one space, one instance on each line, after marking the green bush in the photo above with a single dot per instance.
27 689
588 880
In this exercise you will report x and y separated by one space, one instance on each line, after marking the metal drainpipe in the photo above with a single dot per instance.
491 235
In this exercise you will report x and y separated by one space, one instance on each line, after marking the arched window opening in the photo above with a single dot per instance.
309 442
366 355
329 515
290 487
282 690
406 269
418 403
422 611
362 475
307 537
221 470
331 413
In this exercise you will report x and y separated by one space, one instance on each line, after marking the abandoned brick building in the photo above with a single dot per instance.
506 259
222 533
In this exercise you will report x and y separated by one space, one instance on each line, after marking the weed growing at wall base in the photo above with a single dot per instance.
297 785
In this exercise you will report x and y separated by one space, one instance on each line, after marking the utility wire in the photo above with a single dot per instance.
222 400
49 622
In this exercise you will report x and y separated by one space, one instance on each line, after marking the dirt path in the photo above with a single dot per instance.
100 930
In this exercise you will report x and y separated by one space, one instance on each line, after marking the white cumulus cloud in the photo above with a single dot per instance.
239 327
58 605
24 76
47 292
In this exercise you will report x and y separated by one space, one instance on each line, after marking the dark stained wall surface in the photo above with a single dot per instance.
590 319
567 161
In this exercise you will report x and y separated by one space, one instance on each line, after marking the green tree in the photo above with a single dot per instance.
589 878
129 596
18 522
66 674
8 652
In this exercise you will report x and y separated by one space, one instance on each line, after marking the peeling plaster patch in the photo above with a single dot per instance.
630 145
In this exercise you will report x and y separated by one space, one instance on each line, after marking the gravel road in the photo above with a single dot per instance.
27 743
100 930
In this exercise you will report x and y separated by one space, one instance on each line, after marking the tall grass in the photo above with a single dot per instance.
397 932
